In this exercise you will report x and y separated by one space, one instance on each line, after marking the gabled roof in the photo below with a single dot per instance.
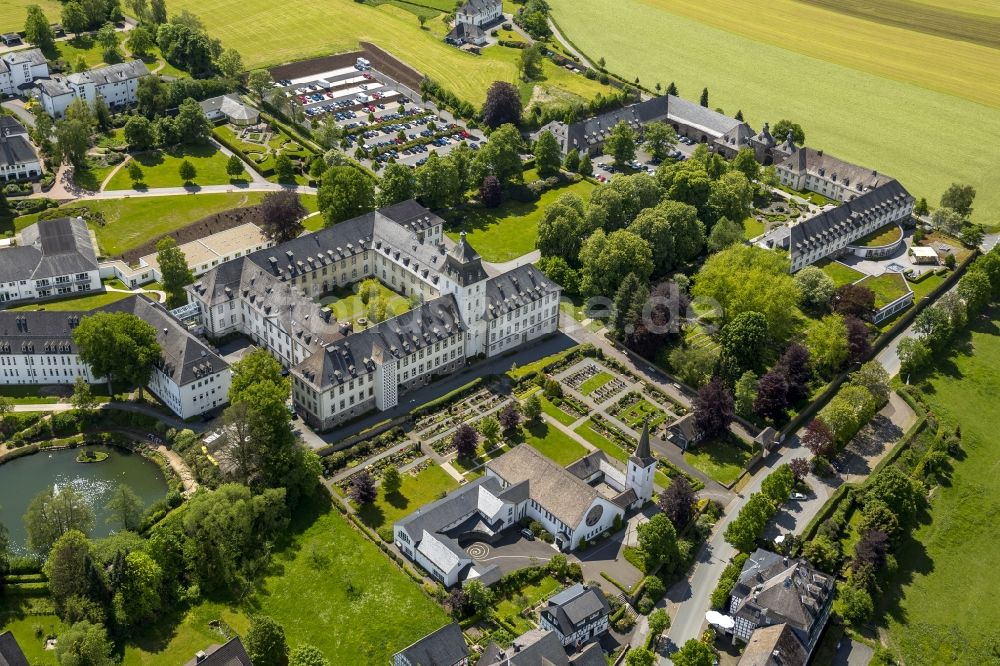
466 32
774 646
15 150
10 651
49 248
230 654
478 6
557 490
121 71
845 218
572 608
540 648
516 288
444 647
710 121
27 56
11 126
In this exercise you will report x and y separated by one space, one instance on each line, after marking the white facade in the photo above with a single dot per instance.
60 285
340 365
196 397
117 84
480 12
33 364
18 68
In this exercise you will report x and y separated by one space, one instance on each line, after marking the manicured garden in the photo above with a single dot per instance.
160 168
595 382
510 609
721 459
943 610
840 273
417 490
89 302
510 230
887 287
24 627
348 305
556 413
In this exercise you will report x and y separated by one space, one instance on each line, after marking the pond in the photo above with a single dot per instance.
24 478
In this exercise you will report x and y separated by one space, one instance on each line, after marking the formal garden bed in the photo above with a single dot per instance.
635 411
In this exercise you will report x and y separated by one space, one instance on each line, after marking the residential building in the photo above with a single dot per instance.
466 33
775 590
577 615
18 158
10 651
539 646
341 364
117 84
776 645
232 653
444 647
18 69
574 504
38 348
51 258
231 109
480 13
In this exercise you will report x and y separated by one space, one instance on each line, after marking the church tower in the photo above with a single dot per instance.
641 468
464 269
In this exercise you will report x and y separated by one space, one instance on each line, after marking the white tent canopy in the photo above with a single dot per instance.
720 620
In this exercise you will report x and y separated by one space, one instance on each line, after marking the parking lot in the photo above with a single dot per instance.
376 115
604 170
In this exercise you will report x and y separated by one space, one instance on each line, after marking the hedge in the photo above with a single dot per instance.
224 140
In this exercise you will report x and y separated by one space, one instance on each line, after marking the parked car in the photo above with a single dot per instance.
798 497
528 534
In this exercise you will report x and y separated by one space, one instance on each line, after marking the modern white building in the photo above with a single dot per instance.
18 158
117 84
341 364
18 69
38 348
51 258
575 503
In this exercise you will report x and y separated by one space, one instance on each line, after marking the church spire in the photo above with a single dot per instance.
642 456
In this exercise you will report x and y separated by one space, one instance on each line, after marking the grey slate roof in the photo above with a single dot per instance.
516 288
11 126
230 106
540 648
680 110
54 87
845 218
446 511
27 56
478 6
10 651
575 607
559 491
465 32
463 264
774 590
819 163
122 71
16 150
49 248
184 357
231 654
444 647
590 131
774 646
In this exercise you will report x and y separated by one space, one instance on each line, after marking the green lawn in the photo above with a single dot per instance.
643 411
887 234
89 302
130 222
721 459
886 287
926 286
872 80
589 433
840 273
160 168
92 175
752 228
86 47
532 594
13 13
330 587
942 611
23 628
417 490
509 231
556 413
595 382
346 304
551 442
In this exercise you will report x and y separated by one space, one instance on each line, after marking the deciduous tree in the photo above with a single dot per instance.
345 192
725 233
744 340
783 127
816 288
175 271
818 438
873 377
490 192
693 653
547 155
744 394
84 644
117 346
772 396
51 515
284 170
500 156
677 502
438 184
502 106
265 642
658 542
607 258
308 655
959 197
187 172
363 489
398 184
660 139
281 215
621 144
37 29
391 480
259 81
465 440
68 567
83 399
193 127
826 340
125 508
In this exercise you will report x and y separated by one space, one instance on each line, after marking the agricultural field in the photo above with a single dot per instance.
772 61
13 13
131 222
309 29
940 609
510 230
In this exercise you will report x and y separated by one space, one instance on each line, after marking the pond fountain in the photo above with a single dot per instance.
24 478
